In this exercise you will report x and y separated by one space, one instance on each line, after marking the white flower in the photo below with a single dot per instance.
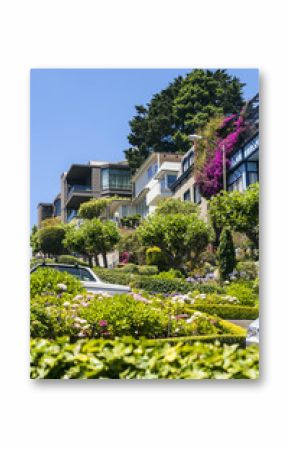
81 334
62 287
78 297
82 321
66 304
86 327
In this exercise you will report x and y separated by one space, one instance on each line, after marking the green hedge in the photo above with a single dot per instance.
127 358
155 284
228 312
71 260
114 276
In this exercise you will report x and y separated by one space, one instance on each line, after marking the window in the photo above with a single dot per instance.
237 185
196 194
152 170
186 195
253 177
114 178
171 179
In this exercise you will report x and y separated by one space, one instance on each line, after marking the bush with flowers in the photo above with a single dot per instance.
52 282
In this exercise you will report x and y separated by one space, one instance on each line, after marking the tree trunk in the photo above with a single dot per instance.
105 260
97 260
90 261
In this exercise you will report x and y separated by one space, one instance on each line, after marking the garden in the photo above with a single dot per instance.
193 279
178 321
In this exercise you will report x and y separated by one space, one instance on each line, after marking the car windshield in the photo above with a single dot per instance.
81 273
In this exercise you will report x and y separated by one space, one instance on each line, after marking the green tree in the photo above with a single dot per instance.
175 206
51 240
93 208
179 110
226 254
180 237
74 241
237 210
34 240
99 238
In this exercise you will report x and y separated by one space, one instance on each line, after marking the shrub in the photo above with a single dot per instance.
127 358
155 256
47 281
36 261
114 276
228 312
71 260
161 285
226 254
243 292
147 270
171 274
131 221
130 268
248 270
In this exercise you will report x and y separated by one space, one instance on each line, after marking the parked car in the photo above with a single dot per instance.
88 278
253 333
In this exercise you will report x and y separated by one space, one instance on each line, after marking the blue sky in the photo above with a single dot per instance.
78 115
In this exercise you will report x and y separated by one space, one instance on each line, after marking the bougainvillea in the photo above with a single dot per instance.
209 175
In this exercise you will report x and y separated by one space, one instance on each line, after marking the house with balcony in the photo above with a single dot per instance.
153 180
96 179
82 182
185 187
244 161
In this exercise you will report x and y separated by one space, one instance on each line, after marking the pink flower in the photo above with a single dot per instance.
103 323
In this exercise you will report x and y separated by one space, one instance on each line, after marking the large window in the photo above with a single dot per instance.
142 209
114 178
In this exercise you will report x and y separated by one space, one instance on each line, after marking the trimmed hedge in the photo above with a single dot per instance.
71 260
127 358
114 276
155 284
228 312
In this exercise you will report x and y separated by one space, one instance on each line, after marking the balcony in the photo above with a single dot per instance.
79 188
157 192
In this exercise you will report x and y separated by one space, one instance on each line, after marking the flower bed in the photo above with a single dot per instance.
102 316
137 359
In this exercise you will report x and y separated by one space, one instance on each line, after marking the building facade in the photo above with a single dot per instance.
244 161
151 183
82 182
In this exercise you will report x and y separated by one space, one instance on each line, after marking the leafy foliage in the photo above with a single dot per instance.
180 237
93 208
46 281
226 254
34 240
179 110
169 206
128 358
51 240
237 210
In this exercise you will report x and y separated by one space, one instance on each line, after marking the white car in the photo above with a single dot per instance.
253 333
88 278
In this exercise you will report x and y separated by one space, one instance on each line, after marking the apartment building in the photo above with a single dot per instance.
82 182
244 161
150 184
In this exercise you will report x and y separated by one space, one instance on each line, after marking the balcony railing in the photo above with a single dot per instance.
79 188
